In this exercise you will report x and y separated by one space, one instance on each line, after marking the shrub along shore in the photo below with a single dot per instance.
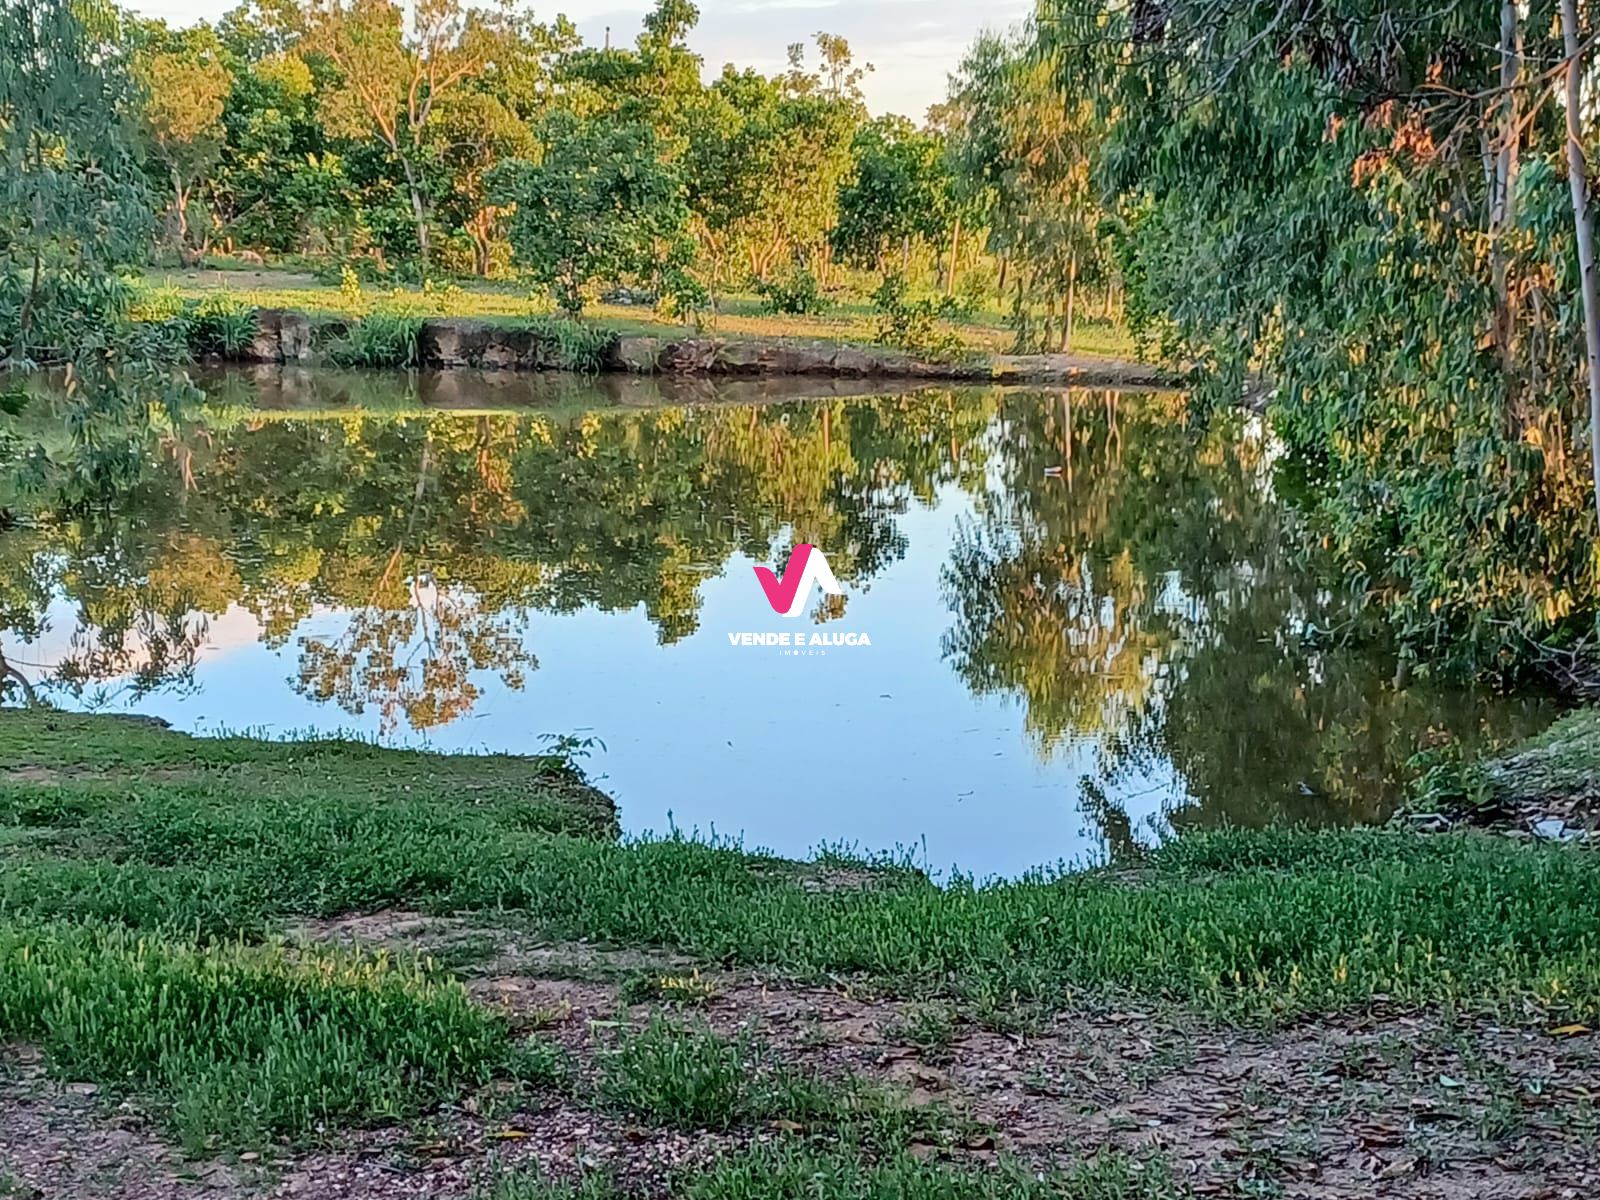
148 882
267 335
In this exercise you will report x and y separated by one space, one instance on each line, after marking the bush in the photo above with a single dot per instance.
220 324
798 294
380 339
572 344
912 325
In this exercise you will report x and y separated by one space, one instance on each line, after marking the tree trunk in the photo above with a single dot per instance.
955 248
1001 286
419 212
180 214
1502 208
25 319
1577 177
1071 306
7 671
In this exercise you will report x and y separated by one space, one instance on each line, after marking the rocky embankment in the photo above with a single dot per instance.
284 336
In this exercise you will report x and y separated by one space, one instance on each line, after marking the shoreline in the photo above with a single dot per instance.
292 337
328 968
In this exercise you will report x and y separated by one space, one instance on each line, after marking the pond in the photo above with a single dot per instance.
1066 624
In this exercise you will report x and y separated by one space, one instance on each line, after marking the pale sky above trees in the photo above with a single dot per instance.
912 44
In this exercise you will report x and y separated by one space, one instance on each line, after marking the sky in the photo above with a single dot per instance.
912 44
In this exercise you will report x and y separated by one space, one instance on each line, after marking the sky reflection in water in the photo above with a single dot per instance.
1088 629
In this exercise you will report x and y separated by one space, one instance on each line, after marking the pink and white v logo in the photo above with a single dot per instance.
806 567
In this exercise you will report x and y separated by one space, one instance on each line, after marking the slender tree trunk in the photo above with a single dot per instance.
1071 306
955 248
1502 211
7 671
1001 286
478 228
419 212
25 318
1577 177
180 214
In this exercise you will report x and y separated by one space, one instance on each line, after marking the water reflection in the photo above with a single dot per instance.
1090 625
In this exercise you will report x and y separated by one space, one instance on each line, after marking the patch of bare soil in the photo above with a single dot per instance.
265 278
496 955
1394 1106
65 1141
461 1151
34 774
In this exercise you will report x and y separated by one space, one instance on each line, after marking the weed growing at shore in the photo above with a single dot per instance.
380 339
572 345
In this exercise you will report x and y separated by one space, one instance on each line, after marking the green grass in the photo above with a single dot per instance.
82 756
241 1045
379 339
790 1171
853 321
245 835
685 1074
234 837
144 876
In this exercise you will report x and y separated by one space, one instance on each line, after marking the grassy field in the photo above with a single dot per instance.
737 315
287 958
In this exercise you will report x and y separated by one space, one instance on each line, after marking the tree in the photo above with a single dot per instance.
475 132
1026 149
898 192
600 205
71 205
391 81
490 120
73 208
186 86
1370 211
1578 182
766 158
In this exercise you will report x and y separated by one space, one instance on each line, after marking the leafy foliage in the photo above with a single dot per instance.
798 293
912 325
71 204
901 191
600 205
380 339
1402 270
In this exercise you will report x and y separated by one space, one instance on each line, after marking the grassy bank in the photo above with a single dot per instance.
155 831
853 323
147 881
1548 785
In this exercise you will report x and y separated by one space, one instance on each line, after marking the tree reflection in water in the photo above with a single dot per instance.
1129 581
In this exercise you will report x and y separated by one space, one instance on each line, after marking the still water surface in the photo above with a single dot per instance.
1088 625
